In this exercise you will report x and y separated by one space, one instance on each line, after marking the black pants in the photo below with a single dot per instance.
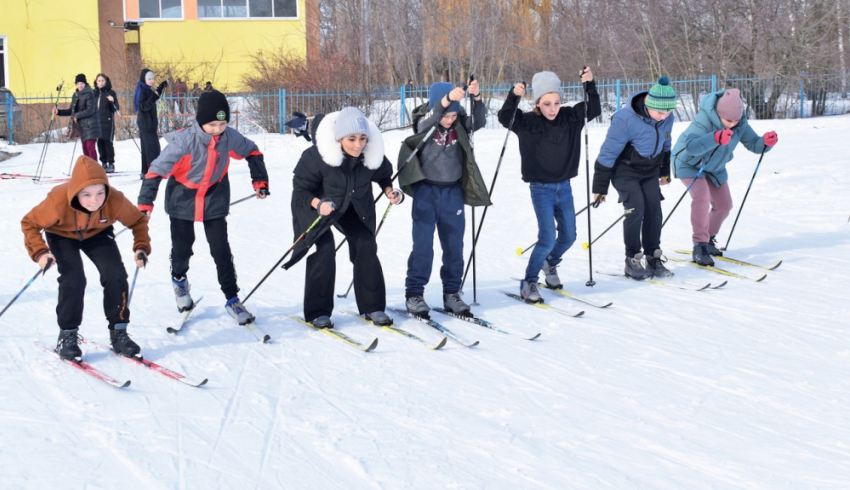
644 195
182 239
149 142
369 288
106 151
103 251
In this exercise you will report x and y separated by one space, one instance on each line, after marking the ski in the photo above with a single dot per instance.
544 306
338 335
151 365
258 332
573 296
719 270
693 286
186 314
47 180
86 368
736 261
718 286
483 323
431 323
6 176
400 331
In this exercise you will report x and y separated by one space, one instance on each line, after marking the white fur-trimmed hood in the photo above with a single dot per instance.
331 150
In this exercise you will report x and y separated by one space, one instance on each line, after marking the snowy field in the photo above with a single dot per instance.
740 387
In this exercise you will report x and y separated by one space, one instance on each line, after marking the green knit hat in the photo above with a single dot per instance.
661 96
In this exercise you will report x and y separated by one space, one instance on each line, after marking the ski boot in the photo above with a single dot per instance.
417 306
656 265
635 268
701 255
453 302
323 321
122 343
181 294
712 247
552 279
529 292
379 318
68 345
238 312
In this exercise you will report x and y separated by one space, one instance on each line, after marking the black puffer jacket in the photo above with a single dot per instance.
84 108
106 110
326 172
146 117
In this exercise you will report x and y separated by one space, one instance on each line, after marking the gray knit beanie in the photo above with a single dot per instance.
546 82
350 121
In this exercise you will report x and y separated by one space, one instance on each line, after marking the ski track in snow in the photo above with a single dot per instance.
740 387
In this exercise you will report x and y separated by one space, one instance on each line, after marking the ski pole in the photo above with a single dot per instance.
520 251
490 193
243 199
313 225
586 245
699 173
376 234
43 156
135 276
40 272
128 130
590 282
73 152
472 150
744 201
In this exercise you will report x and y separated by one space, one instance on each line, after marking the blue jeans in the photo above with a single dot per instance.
437 207
553 205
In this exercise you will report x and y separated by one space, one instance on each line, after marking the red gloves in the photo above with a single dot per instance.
723 136
770 138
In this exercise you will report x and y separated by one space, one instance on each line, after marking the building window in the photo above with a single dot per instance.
161 9
256 9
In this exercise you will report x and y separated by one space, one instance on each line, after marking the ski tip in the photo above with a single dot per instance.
580 313
775 266
762 278
606 305
720 285
533 338
266 338
440 344
171 330
202 383
704 287
372 346
473 344
126 384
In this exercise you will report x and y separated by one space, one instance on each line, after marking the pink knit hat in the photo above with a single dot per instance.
730 106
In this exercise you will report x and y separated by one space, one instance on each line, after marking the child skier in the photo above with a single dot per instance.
78 216
333 179
635 157
196 161
550 148
107 106
442 177
83 108
702 152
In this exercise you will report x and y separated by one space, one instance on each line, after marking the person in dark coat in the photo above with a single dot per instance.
107 106
84 109
635 157
144 103
333 181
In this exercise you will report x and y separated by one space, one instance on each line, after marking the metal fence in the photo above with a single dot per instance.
28 119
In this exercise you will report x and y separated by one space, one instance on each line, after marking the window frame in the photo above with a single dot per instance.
248 18
4 51
161 18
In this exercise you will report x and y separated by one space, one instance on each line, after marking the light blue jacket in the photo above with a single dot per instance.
697 143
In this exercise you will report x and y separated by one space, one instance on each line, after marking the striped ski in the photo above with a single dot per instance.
688 286
86 368
151 365
719 270
186 314
483 323
736 261
544 306
431 323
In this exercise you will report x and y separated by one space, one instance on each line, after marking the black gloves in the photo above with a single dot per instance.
161 87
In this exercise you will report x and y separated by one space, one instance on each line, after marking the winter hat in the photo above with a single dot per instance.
350 121
661 96
212 106
546 82
81 78
730 106
436 94
149 75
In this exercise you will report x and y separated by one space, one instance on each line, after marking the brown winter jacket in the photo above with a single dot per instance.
61 213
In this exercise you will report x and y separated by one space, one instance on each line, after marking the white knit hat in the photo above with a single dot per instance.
350 121
546 82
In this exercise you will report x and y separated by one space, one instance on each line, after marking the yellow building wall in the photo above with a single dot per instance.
224 45
48 41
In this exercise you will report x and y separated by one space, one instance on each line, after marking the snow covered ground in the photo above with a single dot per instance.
740 387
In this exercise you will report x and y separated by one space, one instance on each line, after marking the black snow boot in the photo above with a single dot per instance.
122 343
68 345
655 264
701 255
712 247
